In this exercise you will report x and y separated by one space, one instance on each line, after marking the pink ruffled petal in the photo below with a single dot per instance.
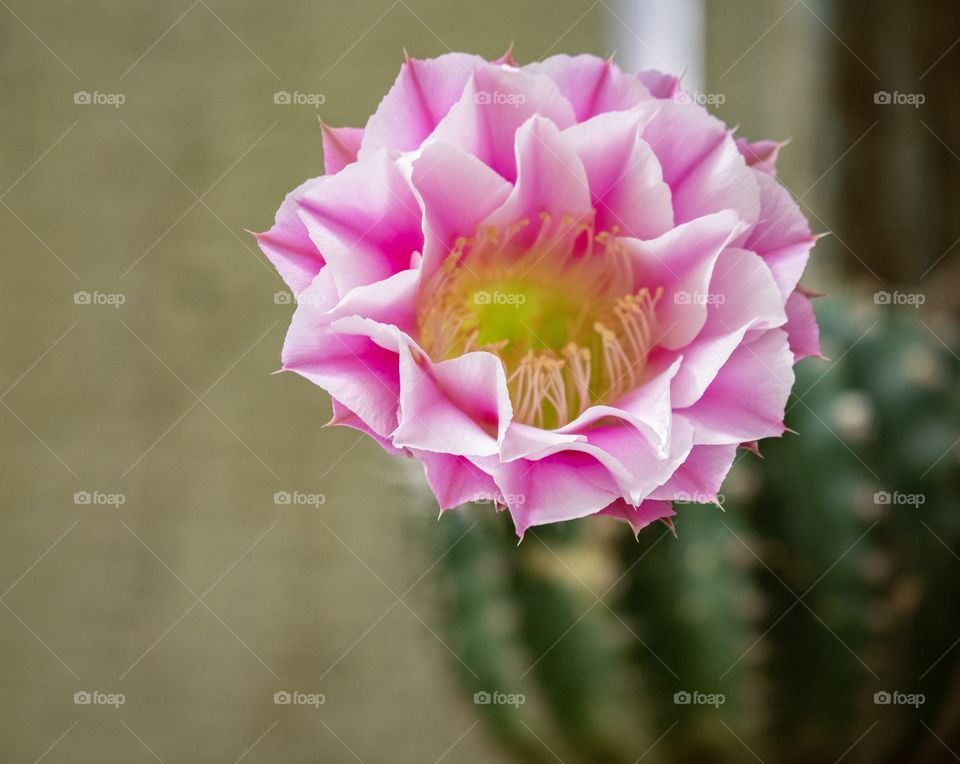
701 163
365 220
550 179
559 487
460 406
660 85
802 330
592 85
419 99
743 296
638 517
782 235
647 408
288 245
455 480
353 369
681 262
340 147
646 468
746 400
762 155
448 216
344 417
626 181
522 441
495 103
700 476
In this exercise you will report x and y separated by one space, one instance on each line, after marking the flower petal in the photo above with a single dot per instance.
746 400
681 261
365 220
550 180
446 215
801 328
495 102
340 147
701 163
700 476
455 480
626 181
638 517
592 85
743 296
420 98
460 406
288 245
782 235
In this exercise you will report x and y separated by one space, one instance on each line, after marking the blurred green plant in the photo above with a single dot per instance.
774 628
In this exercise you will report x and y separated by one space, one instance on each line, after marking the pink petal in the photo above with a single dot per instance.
682 261
550 179
743 296
344 417
592 85
647 408
626 182
746 400
446 215
340 147
419 99
560 487
391 301
802 329
288 245
455 480
353 369
700 476
460 406
701 163
365 220
646 468
659 84
762 155
782 235
641 516
495 103
522 441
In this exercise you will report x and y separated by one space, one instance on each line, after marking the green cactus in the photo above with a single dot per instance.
797 604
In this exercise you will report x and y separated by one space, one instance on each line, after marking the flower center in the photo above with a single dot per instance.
559 309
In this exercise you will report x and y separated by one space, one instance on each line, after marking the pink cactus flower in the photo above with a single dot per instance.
563 288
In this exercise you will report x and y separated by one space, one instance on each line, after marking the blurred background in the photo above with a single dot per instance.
183 549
